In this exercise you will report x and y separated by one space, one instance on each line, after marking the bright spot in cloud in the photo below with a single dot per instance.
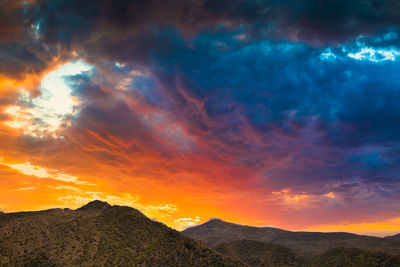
328 55
36 28
49 110
41 172
330 195
375 55
119 65
56 94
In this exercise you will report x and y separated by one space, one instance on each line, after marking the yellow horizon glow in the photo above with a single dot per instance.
41 172
380 228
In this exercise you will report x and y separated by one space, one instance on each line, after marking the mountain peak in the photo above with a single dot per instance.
215 220
95 205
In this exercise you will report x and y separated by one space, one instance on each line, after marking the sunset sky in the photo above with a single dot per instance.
268 113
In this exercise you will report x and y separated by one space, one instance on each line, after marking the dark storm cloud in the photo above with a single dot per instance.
314 21
11 19
20 51
103 112
99 27
18 59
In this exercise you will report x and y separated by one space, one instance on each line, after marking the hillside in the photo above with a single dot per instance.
98 234
261 254
396 237
307 244
340 257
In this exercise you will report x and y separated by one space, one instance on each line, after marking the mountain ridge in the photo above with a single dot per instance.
98 234
306 244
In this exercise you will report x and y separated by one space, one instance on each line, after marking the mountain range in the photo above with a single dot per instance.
98 234
216 232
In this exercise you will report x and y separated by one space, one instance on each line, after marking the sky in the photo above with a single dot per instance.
282 113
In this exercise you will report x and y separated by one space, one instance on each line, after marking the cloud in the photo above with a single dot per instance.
11 20
183 223
26 188
315 21
42 172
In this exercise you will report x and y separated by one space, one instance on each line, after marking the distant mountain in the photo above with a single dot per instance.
396 237
98 234
307 244
216 231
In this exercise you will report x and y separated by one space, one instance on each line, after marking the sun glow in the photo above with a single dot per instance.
47 112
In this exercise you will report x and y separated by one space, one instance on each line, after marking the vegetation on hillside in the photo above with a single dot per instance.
307 244
259 254
96 235
99 234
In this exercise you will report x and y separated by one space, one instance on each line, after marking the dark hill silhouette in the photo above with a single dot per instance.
342 257
396 237
307 244
261 254
98 234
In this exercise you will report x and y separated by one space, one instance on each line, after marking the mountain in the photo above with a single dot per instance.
98 234
308 244
216 231
395 237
